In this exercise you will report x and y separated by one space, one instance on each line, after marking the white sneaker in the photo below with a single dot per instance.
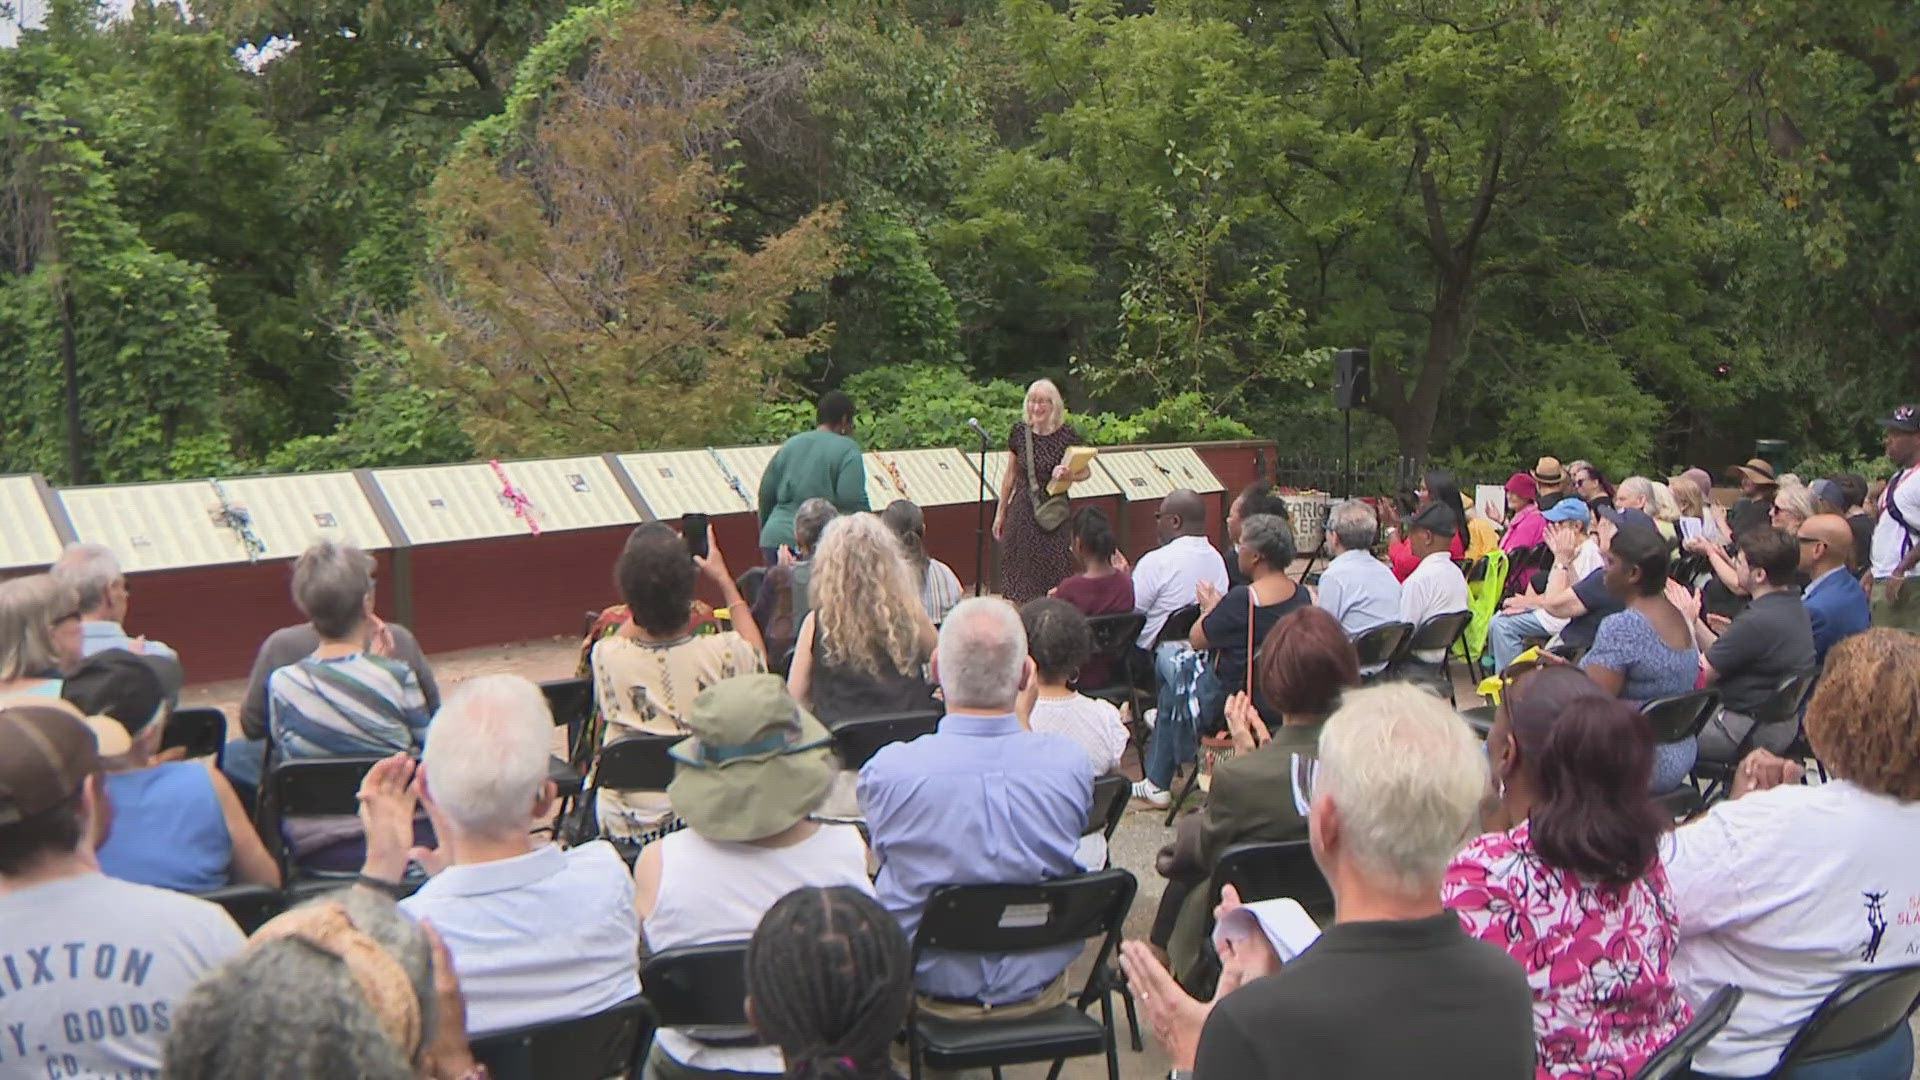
1149 717
1152 796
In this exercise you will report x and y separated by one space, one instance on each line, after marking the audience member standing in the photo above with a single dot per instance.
824 463
756 766
93 572
1099 588
537 933
1645 651
1769 641
979 801
1837 607
1785 890
1896 536
829 982
863 649
1169 576
939 585
1395 987
1436 586
105 948
39 635
646 674
1569 873
1034 559
177 824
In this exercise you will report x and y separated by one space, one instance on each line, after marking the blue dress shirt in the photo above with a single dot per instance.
99 635
1837 607
979 801
1360 591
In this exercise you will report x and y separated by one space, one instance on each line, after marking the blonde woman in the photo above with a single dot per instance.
1709 520
39 634
1664 508
1034 560
863 649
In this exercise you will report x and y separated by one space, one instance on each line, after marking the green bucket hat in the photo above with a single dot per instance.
755 763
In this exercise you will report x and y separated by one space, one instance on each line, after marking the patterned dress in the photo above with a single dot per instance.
1033 561
1597 956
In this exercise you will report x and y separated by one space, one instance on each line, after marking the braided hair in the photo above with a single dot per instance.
829 976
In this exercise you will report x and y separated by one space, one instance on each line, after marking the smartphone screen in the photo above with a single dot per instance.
694 528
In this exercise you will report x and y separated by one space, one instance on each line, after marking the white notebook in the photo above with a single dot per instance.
1286 924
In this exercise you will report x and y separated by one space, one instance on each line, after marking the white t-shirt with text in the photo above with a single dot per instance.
92 973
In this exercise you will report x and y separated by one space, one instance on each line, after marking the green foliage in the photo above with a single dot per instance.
390 421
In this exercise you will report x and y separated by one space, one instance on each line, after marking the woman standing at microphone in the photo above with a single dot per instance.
1035 553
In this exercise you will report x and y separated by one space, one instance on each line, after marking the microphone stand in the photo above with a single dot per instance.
980 524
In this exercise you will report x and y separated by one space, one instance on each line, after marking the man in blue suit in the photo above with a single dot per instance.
1835 602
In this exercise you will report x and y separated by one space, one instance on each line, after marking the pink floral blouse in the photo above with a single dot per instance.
1597 956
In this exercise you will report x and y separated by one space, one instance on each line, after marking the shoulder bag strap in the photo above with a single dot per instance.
1250 641
1892 506
1033 485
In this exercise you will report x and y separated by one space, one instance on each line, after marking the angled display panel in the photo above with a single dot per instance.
188 523
1138 476
676 482
27 533
1185 469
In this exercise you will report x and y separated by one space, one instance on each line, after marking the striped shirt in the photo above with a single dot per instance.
344 706
941 590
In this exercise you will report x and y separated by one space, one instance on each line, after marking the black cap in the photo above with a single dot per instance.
130 687
1905 419
1436 519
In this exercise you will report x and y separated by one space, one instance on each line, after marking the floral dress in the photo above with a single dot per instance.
1032 560
1597 956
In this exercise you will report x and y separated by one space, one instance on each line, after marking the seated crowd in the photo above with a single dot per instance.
1522 907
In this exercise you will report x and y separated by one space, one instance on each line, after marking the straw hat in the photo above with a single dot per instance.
756 763
1548 471
1755 470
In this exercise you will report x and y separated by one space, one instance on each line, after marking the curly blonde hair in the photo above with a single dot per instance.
865 605
1864 719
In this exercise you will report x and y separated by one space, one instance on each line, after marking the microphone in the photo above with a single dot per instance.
974 423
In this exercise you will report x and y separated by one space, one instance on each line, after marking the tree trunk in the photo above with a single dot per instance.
1414 414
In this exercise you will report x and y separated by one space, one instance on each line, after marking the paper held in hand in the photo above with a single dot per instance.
1076 459
1287 926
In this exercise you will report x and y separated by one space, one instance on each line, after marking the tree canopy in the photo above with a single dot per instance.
278 235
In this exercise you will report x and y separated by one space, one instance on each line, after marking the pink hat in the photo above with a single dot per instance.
1521 486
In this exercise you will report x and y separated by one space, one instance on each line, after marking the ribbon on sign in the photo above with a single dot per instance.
230 515
898 484
733 481
515 498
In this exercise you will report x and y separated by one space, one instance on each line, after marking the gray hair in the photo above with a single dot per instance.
810 521
1795 498
486 754
1269 537
983 647
1664 506
285 1008
28 607
1355 525
1636 487
1406 775
90 571
331 583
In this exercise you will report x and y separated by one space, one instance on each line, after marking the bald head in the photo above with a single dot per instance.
1182 513
1835 543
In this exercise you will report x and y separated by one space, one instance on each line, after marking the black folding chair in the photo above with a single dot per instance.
1377 647
314 787
856 741
249 905
1782 706
701 992
1675 1060
999 919
1861 1011
1179 625
1681 716
1438 633
1110 794
571 702
638 762
201 732
612 1042
1115 639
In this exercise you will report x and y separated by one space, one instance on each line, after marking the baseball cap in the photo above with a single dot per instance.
47 751
1436 519
129 687
1629 519
1905 419
1568 510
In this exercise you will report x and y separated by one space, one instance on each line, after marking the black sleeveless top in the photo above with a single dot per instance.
840 692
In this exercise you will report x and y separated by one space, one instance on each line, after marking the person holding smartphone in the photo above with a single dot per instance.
647 673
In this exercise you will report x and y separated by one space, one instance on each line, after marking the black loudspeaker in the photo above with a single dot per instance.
1352 378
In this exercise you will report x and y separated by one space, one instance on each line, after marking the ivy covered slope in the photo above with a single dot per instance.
327 233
